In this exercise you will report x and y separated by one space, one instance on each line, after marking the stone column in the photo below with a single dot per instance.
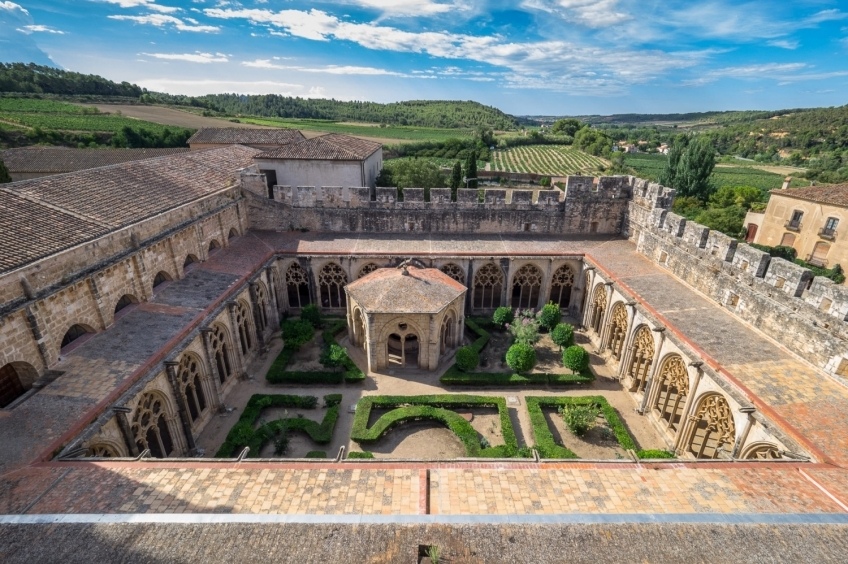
213 366
98 302
655 368
627 345
589 282
126 430
606 322
35 329
182 408
743 436
683 430
545 289
434 348
257 309
239 362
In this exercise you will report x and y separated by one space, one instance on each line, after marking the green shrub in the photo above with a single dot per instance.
455 377
655 454
563 335
575 358
297 332
333 356
483 336
502 316
550 315
467 359
521 357
363 454
316 454
578 418
300 377
332 399
311 314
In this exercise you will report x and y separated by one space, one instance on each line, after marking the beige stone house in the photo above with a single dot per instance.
811 220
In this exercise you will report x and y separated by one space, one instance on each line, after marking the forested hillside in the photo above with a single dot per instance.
32 78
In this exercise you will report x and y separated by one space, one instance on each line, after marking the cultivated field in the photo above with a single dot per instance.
389 135
553 160
167 116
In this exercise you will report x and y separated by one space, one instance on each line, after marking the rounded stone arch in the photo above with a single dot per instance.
672 383
332 279
193 382
233 233
455 271
598 307
562 283
488 286
526 286
448 337
125 301
74 333
221 345
244 321
16 378
641 358
402 339
618 329
297 286
761 450
367 269
151 424
713 431
190 260
161 277
360 327
105 449
213 245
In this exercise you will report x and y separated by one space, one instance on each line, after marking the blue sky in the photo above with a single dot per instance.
552 57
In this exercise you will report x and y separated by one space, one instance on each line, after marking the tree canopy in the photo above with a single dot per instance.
689 166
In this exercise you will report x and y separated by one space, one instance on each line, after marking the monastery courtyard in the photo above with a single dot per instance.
519 510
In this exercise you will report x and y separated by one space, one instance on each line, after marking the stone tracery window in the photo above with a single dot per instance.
526 285
102 450
714 432
261 306
189 377
763 451
488 285
331 282
150 426
220 350
673 388
561 284
367 269
242 323
641 358
455 272
599 307
297 286
618 330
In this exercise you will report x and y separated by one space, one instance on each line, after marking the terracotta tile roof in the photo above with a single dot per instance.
835 195
63 159
332 147
46 215
246 136
388 290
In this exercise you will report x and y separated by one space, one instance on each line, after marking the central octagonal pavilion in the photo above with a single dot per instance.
409 316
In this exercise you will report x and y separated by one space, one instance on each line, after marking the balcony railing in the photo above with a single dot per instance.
829 234
793 225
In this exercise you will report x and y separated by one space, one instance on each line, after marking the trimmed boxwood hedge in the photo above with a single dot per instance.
453 376
243 434
545 442
278 374
363 454
438 408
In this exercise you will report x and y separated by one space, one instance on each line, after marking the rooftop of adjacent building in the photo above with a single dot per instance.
834 195
330 147
405 290
245 136
41 159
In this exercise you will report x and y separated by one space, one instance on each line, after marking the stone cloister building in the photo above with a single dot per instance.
133 299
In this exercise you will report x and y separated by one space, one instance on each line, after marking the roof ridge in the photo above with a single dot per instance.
60 209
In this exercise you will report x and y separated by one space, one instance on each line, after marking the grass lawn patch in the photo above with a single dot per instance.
437 408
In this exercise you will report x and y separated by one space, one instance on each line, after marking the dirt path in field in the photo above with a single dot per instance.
782 170
168 116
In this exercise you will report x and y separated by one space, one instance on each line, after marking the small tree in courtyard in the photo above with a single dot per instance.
312 314
563 335
467 359
521 357
503 316
550 315
576 359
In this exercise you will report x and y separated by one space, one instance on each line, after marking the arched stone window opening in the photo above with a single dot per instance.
447 333
411 346
214 245
455 272
297 286
190 260
189 376
331 281
75 332
242 318
233 233
526 285
101 450
359 336
641 359
618 330
161 278
366 270
15 379
762 451
403 349
261 306
819 256
561 284
150 426
488 285
714 432
599 308
673 388
220 350
125 301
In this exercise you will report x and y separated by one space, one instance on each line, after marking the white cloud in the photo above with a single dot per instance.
784 43
588 13
201 87
162 20
782 73
39 29
149 4
198 57
12 7
412 7
329 69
